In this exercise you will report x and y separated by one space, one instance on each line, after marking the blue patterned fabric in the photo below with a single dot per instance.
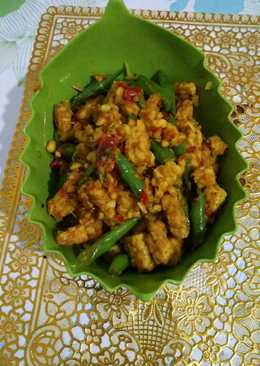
217 6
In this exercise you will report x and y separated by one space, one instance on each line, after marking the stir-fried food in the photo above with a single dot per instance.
133 178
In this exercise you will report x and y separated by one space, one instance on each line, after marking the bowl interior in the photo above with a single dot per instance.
102 48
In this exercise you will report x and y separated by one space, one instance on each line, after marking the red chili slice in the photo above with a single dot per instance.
191 149
119 218
130 93
57 164
144 198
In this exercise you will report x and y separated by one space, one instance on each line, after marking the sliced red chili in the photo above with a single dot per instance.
144 198
154 130
119 218
207 210
191 149
130 93
57 164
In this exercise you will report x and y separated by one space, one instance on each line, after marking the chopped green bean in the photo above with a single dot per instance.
129 75
172 119
119 264
105 243
161 78
129 175
180 149
150 87
198 219
169 91
186 176
93 88
161 153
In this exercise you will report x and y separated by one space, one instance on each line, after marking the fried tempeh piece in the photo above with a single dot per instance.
65 202
178 221
88 228
139 253
63 120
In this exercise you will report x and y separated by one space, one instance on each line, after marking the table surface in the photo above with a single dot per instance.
17 32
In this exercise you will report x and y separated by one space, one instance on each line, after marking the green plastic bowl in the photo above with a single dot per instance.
102 48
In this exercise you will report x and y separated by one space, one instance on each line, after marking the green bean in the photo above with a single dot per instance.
119 264
141 102
129 75
161 153
162 79
105 243
93 88
186 176
198 218
186 206
180 149
150 87
171 119
129 175
187 186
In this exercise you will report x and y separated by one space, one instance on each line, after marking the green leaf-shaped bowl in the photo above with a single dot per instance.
102 48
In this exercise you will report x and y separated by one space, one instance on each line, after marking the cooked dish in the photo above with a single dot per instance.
133 178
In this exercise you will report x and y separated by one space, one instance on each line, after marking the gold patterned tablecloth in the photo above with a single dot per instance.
48 319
